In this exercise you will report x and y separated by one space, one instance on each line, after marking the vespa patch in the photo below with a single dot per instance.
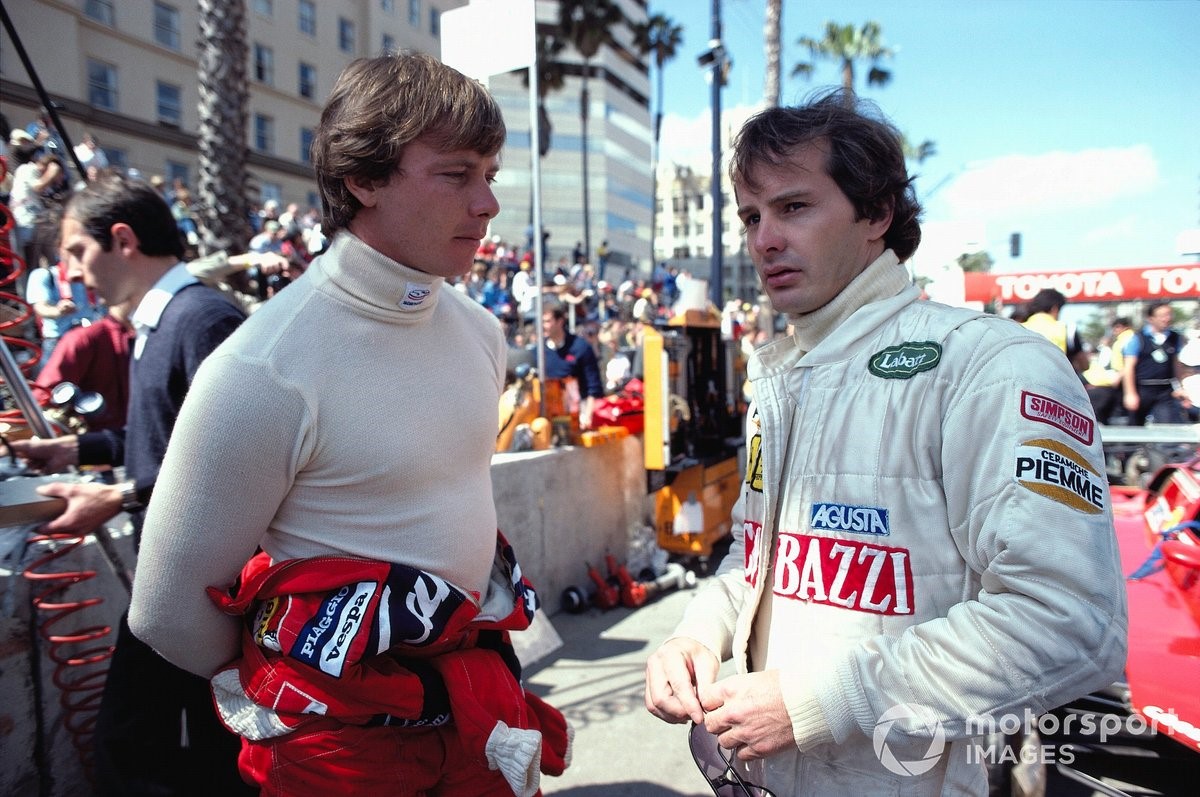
847 518
1059 472
906 360
1043 409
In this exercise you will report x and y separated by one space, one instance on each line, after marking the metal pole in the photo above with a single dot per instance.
535 158
583 121
718 68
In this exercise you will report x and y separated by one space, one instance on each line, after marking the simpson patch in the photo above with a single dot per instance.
1043 409
1062 474
906 360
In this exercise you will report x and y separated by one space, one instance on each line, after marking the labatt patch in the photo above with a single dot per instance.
1062 474
906 360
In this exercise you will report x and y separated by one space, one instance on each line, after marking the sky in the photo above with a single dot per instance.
1073 122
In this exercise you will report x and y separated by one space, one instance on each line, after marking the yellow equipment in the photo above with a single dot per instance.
694 412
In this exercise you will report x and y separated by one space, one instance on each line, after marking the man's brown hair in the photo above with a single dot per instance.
378 106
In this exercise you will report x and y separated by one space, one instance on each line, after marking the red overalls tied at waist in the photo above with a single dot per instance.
334 640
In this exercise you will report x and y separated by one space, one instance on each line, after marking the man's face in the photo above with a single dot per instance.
432 212
107 273
1161 318
553 328
802 234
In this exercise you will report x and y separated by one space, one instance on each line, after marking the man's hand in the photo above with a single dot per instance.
746 713
89 506
1131 401
54 455
675 675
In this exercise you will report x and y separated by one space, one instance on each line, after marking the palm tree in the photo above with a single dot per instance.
847 44
224 219
661 36
551 77
772 38
587 24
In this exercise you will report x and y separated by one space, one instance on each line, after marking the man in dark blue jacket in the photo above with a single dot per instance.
571 356
156 732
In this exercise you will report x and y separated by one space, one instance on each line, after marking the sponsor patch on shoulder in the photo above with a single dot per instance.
1062 474
906 360
1044 409
845 517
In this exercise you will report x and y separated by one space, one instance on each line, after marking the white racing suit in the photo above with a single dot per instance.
924 536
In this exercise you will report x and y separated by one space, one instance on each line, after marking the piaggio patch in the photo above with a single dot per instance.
1043 409
906 360
1059 472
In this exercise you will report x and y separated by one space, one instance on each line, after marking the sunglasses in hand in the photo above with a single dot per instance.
718 766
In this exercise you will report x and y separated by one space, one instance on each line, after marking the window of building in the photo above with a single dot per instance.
100 10
264 133
170 104
264 7
435 22
268 190
102 85
308 17
117 157
176 171
264 64
389 43
306 140
345 35
166 25
414 13
388 5
308 80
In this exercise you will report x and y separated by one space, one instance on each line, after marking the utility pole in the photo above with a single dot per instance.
717 60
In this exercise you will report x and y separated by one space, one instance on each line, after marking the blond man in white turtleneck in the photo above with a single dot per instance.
353 416
915 474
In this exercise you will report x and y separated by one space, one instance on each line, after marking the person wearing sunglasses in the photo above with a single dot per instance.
924 536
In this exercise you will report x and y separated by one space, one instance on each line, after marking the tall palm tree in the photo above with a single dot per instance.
848 44
551 77
772 38
224 218
661 36
587 24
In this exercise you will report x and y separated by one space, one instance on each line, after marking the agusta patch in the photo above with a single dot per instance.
906 360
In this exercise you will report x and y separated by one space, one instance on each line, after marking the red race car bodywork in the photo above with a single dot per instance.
1158 531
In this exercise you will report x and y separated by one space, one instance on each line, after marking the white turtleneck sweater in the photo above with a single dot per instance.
354 413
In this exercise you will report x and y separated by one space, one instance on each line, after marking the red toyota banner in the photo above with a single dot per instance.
1133 283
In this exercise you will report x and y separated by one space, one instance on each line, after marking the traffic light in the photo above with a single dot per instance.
1014 244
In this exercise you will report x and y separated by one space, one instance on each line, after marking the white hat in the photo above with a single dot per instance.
19 136
1189 355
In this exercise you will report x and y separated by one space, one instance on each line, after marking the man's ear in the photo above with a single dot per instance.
364 190
882 223
124 239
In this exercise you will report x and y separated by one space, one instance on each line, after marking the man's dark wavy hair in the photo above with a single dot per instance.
865 158
115 199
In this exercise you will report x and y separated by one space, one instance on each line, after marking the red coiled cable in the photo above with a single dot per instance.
79 652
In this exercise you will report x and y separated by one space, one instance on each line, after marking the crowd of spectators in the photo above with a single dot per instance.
609 314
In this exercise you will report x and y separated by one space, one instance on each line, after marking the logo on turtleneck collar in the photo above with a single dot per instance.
416 295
